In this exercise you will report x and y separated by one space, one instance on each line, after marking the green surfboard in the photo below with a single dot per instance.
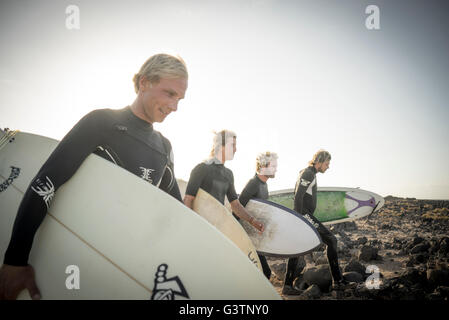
335 204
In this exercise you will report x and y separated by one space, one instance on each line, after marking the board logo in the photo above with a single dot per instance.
167 289
253 260
15 172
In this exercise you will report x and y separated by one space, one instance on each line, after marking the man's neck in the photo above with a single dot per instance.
262 177
137 108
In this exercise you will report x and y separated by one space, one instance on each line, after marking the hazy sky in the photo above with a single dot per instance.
287 76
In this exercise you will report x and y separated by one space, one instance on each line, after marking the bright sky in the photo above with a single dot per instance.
287 76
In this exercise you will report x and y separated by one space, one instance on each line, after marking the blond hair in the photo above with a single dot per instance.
320 156
161 66
264 159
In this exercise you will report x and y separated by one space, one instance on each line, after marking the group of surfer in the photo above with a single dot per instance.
126 137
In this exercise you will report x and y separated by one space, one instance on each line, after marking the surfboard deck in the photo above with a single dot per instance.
128 239
216 214
336 204
287 234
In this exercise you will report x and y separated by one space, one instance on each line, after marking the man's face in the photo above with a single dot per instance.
160 99
322 167
270 170
230 149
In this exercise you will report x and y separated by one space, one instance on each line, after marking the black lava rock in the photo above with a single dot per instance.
368 253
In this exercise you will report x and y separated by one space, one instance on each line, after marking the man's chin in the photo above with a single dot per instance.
160 119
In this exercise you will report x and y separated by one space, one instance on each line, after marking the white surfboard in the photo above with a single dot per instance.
287 234
216 214
120 236
336 204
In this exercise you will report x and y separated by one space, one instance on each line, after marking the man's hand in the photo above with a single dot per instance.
258 225
241 212
188 201
13 279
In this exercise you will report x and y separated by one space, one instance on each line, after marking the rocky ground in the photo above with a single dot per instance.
400 252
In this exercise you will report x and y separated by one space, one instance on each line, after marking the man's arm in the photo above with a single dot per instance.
248 193
302 184
238 209
188 201
60 166
16 274
169 183
241 212
195 180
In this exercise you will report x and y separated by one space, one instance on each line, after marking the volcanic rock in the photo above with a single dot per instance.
320 275
353 276
312 292
355 266
368 253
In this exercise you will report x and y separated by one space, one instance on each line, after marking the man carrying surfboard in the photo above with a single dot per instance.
266 166
217 180
305 204
125 137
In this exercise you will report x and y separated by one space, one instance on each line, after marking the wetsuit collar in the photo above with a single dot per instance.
259 179
213 160
139 123
314 169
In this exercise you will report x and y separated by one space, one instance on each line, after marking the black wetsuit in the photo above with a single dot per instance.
116 135
256 188
305 204
214 178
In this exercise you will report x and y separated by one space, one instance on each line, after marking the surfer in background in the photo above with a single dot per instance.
217 180
266 166
305 204
124 137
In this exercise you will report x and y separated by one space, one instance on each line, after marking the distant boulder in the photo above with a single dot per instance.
320 275
368 253
355 266
353 276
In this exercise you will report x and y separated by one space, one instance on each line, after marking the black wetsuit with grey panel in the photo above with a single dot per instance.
256 188
305 204
116 135
214 178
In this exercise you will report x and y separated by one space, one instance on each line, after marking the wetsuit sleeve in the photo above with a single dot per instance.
304 180
248 193
168 180
196 178
169 184
59 167
175 192
231 194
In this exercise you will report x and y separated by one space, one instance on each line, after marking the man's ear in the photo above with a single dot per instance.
144 83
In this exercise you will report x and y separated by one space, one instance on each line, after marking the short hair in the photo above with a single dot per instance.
220 140
161 66
319 157
263 159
